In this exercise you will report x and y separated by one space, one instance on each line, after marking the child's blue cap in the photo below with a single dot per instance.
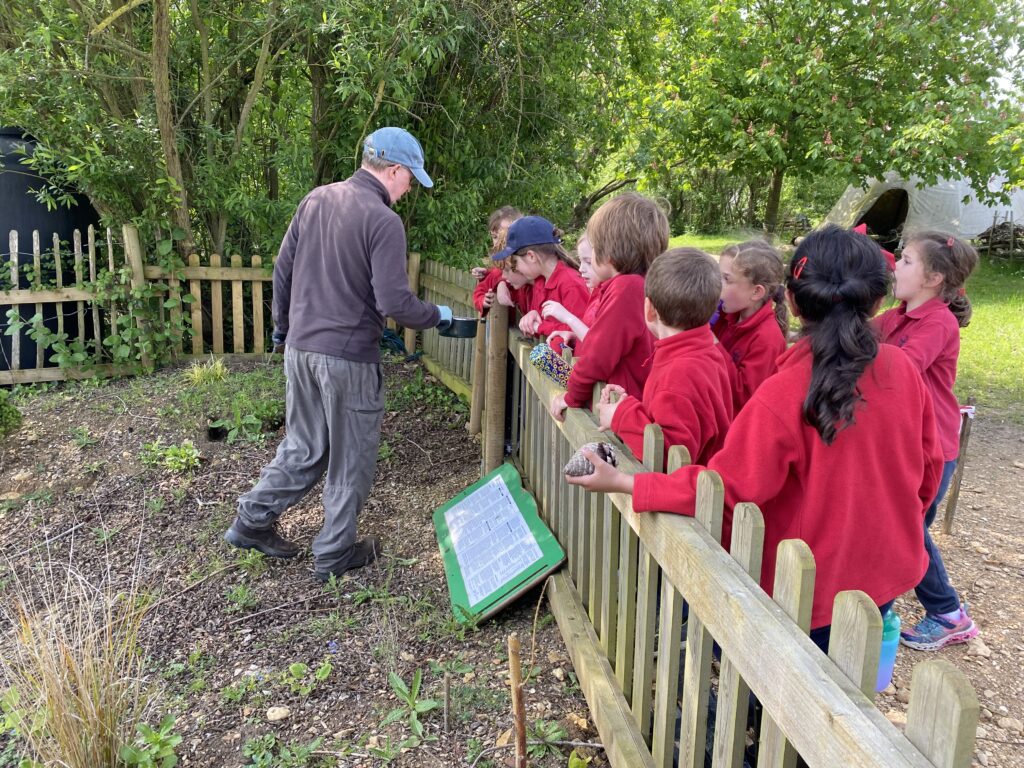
527 231
397 145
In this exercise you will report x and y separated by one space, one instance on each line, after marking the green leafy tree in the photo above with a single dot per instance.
773 88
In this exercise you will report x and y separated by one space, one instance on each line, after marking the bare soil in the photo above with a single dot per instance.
222 646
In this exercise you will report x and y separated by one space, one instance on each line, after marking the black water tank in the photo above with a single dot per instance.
22 212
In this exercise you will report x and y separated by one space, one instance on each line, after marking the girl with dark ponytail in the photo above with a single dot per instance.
753 321
838 448
930 278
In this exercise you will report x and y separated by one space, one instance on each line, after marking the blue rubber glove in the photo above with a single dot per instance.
278 338
446 317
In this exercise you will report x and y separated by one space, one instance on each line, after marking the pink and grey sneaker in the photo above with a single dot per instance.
934 632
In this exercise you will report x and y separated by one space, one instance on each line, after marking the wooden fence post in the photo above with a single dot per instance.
855 642
497 354
943 714
794 592
133 255
953 496
413 268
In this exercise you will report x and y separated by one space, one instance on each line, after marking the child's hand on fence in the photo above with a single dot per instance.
558 407
605 477
611 393
565 336
530 323
478 273
503 296
606 412
554 310
488 301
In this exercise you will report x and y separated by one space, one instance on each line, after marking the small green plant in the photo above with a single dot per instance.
298 679
155 505
154 747
384 451
240 426
267 751
241 598
200 374
93 467
82 438
237 692
388 749
253 562
544 734
103 535
412 706
10 417
177 458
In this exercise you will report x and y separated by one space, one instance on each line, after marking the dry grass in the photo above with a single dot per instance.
71 666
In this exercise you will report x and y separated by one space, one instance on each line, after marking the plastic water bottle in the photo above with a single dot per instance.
890 642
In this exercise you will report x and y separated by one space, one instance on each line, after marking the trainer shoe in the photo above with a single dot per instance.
266 541
934 632
364 552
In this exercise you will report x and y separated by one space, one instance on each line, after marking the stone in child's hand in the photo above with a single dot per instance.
579 465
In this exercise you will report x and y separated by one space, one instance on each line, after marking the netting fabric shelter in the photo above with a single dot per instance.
893 206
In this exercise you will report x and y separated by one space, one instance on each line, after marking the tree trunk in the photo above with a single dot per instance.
755 189
771 211
315 54
165 118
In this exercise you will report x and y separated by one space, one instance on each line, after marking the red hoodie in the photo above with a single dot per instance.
567 288
930 335
687 393
858 503
754 345
618 346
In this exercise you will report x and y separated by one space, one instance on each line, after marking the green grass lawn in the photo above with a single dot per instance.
991 366
992 346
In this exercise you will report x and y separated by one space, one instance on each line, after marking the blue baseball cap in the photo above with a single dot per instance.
527 231
396 145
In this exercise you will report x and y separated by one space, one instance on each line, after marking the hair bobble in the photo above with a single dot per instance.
961 291
799 267
949 242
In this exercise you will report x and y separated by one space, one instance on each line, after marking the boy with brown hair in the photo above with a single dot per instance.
626 233
688 392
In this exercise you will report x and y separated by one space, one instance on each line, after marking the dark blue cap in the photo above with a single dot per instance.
527 231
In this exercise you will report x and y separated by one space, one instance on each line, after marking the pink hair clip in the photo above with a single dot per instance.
961 291
799 267
949 243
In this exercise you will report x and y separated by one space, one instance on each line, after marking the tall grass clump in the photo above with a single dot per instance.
209 372
70 664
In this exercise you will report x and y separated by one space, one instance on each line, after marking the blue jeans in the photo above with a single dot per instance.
935 592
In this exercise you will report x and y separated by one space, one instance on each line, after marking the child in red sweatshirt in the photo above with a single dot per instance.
490 277
627 233
930 277
838 448
753 322
533 251
688 392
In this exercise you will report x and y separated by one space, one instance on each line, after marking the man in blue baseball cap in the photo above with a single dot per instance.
341 269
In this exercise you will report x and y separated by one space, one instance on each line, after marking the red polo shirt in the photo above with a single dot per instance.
687 394
618 345
567 288
858 503
930 335
753 345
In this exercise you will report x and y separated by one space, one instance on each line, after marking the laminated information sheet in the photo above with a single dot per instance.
494 544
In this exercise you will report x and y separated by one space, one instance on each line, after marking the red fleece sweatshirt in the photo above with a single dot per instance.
858 503
567 288
490 283
687 393
930 335
754 345
618 345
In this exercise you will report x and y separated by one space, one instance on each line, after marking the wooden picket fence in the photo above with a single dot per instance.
221 319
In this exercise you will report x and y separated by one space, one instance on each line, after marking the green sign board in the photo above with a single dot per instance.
494 544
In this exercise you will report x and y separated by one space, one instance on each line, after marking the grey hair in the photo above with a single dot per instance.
371 161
